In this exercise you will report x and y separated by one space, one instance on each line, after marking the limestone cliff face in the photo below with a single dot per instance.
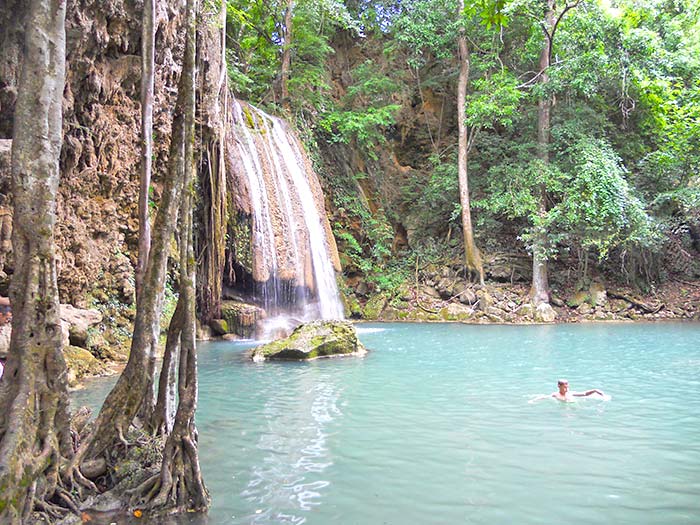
97 225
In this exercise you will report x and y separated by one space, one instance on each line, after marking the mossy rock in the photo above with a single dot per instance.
81 363
312 341
352 306
578 299
374 307
219 326
241 318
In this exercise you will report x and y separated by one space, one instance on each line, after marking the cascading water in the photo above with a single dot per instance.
294 255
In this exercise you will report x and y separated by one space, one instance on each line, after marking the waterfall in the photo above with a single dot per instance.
294 257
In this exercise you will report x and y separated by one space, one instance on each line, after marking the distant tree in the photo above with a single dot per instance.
539 292
34 421
471 252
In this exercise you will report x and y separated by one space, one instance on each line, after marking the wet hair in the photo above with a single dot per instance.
562 382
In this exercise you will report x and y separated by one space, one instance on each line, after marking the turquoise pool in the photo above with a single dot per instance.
434 426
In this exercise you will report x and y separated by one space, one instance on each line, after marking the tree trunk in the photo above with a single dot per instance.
122 403
286 53
539 293
210 244
34 420
180 486
164 412
147 81
471 252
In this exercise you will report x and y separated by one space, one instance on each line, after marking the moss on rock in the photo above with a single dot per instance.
240 318
81 363
374 307
311 341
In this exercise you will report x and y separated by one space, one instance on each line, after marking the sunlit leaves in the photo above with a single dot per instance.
493 101
599 208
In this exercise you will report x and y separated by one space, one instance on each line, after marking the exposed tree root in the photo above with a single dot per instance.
636 302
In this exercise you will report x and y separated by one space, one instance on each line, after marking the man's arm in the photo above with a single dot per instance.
588 393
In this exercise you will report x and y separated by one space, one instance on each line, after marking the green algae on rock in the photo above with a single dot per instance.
312 341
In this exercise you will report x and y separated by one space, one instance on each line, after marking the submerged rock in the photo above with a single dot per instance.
313 340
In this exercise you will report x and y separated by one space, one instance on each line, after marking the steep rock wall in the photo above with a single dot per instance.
97 219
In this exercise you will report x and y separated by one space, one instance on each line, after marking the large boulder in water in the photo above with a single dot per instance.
313 340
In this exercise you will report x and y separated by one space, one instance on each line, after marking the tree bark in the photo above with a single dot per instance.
34 421
164 412
211 218
180 487
147 82
471 252
539 292
122 403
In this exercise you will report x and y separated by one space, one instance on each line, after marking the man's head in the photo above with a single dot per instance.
563 385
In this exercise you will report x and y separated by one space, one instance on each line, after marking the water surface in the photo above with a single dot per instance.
434 426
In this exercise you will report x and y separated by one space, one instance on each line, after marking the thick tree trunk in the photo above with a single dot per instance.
147 82
210 243
539 293
471 252
34 421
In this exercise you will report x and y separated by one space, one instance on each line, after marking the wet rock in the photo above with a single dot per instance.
374 307
241 317
312 341
544 313
219 326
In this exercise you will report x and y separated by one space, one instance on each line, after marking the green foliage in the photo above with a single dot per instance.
625 126
493 101
365 126
436 201
365 112
598 208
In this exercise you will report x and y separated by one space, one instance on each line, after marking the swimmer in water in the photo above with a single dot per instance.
564 394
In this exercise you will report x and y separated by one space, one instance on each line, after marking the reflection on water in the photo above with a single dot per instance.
295 431
434 426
